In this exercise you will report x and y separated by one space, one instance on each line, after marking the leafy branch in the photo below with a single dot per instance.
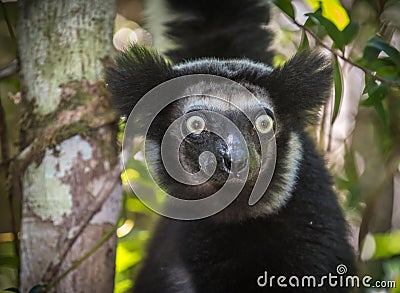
367 71
343 37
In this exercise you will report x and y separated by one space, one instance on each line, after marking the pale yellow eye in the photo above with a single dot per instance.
195 124
264 123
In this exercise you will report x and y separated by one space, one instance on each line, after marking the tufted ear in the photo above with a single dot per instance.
135 72
301 86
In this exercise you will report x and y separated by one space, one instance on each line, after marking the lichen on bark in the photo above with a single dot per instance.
69 134
49 197
52 51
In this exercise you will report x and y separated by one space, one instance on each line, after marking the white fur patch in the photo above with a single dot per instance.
288 179
180 278
241 64
156 16
223 98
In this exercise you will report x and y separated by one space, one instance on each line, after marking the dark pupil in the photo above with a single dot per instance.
264 124
196 125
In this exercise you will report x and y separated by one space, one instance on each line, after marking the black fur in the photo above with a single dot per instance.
302 85
307 237
221 29
136 71
229 251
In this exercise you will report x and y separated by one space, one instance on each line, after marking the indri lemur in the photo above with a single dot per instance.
297 228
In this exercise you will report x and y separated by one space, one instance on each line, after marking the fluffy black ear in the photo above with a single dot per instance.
301 86
135 72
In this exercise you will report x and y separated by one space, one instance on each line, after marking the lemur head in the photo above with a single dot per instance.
236 126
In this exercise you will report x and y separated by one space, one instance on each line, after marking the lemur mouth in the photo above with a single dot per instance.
234 182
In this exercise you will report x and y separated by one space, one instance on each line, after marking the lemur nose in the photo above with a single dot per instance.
235 165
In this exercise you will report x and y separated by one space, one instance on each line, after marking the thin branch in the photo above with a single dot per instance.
77 263
341 56
68 240
66 119
9 69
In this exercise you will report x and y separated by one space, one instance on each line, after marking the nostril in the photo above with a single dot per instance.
239 165
236 165
226 161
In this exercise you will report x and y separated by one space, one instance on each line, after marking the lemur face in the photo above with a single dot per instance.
287 100
235 141
230 124
240 133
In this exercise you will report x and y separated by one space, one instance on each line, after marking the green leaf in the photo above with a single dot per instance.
332 10
123 286
376 93
38 289
350 31
309 23
377 64
137 206
16 290
370 54
376 96
340 38
370 85
381 113
126 259
336 35
304 44
337 77
388 73
385 245
286 7
379 44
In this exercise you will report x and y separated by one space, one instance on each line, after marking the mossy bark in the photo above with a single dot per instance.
63 46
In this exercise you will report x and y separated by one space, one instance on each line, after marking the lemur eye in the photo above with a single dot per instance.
195 124
264 123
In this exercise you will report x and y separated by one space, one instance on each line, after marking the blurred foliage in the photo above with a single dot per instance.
365 37
333 11
363 34
138 221
9 134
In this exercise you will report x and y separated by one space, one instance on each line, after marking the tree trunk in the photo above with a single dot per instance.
69 182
